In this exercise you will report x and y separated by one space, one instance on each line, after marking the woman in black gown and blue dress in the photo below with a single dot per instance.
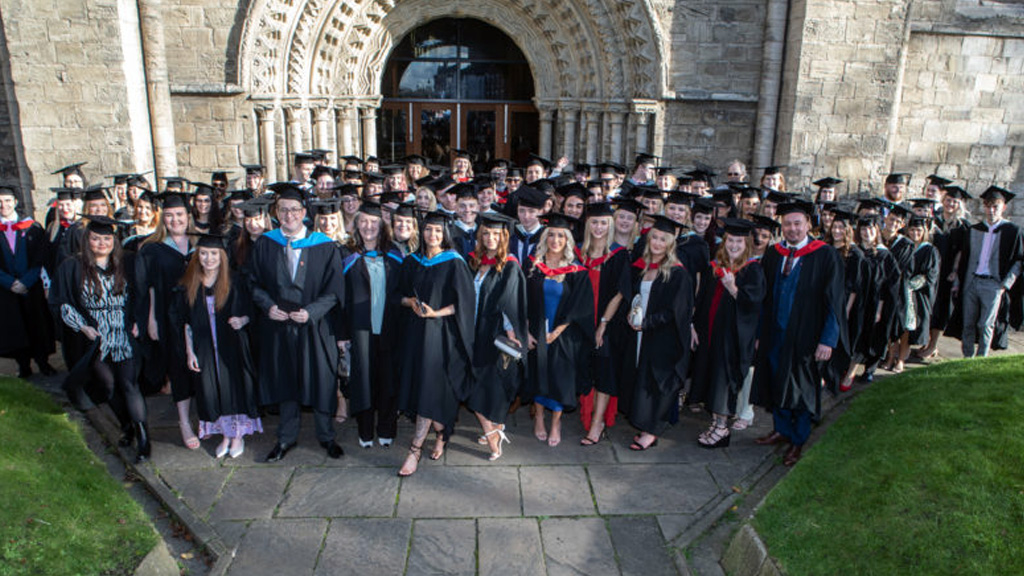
560 310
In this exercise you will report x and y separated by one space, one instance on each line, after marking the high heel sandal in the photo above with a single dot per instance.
714 437
415 453
482 439
495 454
586 441
439 443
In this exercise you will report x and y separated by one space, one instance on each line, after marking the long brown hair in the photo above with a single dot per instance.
847 239
722 257
192 280
91 272
500 255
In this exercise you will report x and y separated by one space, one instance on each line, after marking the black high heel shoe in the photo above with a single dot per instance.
143 449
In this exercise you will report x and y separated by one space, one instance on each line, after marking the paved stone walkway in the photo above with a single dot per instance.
571 509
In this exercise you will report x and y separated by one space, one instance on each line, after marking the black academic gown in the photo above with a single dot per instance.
923 283
1011 306
651 389
726 330
464 241
795 381
603 371
297 362
159 267
693 253
902 249
948 238
870 341
28 325
552 369
496 379
522 245
226 382
435 354
356 326
857 276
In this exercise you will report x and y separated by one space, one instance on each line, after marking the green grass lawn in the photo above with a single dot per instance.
924 474
60 511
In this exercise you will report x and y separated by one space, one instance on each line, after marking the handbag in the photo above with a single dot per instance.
636 312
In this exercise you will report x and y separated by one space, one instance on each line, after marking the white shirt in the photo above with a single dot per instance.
787 246
987 244
293 254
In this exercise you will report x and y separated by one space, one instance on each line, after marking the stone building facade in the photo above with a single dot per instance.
854 88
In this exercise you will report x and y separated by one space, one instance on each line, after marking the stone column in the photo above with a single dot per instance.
322 131
569 118
295 116
546 118
268 142
617 120
643 112
343 117
368 115
158 88
593 145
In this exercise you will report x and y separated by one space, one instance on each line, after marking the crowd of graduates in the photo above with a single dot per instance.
371 290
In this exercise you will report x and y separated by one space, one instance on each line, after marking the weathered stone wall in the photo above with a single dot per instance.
66 68
710 132
213 132
9 133
202 40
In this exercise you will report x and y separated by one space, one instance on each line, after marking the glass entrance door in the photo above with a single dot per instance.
434 132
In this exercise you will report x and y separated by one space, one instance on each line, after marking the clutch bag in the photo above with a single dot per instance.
508 347
636 311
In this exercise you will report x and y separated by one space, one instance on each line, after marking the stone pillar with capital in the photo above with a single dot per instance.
547 112
644 112
345 119
322 125
368 115
268 142
295 117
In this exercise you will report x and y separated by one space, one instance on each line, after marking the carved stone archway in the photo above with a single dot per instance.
317 65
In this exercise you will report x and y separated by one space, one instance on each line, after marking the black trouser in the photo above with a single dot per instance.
384 401
119 386
288 427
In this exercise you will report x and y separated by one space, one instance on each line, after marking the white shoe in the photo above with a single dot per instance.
366 443
482 439
501 438
241 448
385 442
222 449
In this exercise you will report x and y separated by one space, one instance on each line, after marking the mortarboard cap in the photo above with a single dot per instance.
956 192
666 225
768 170
598 210
737 226
304 158
92 193
611 167
938 180
531 197
460 153
173 200
764 223
75 168
994 192
322 170
415 159
206 240
536 160
919 221
827 182
496 220
581 167
253 168
463 190
255 207
629 205
704 205
437 217
900 211
898 178
102 225
373 177
556 220
645 158
67 193
287 191
352 160
795 205
325 207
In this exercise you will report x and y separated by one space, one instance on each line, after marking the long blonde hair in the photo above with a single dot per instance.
160 234
670 261
568 255
588 239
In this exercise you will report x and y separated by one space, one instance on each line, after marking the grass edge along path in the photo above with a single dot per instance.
924 474
60 510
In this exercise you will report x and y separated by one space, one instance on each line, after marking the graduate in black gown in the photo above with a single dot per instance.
726 316
436 362
802 327
560 310
881 297
93 296
297 282
28 325
841 235
605 262
658 298
159 265
214 309
369 326
948 235
922 284
500 311
902 250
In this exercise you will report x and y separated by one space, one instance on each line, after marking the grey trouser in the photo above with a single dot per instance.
980 304
288 427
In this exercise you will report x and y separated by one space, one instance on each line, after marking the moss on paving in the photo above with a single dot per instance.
60 510
924 474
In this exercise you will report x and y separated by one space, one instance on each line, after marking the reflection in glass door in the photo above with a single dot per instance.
435 133
480 132
391 132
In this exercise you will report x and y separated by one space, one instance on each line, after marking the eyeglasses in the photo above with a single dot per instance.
287 211
513 179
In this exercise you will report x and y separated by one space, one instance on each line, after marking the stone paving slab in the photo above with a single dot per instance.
210 479
362 546
251 493
510 547
340 492
443 547
578 546
673 525
640 547
437 491
556 491
652 489
279 547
